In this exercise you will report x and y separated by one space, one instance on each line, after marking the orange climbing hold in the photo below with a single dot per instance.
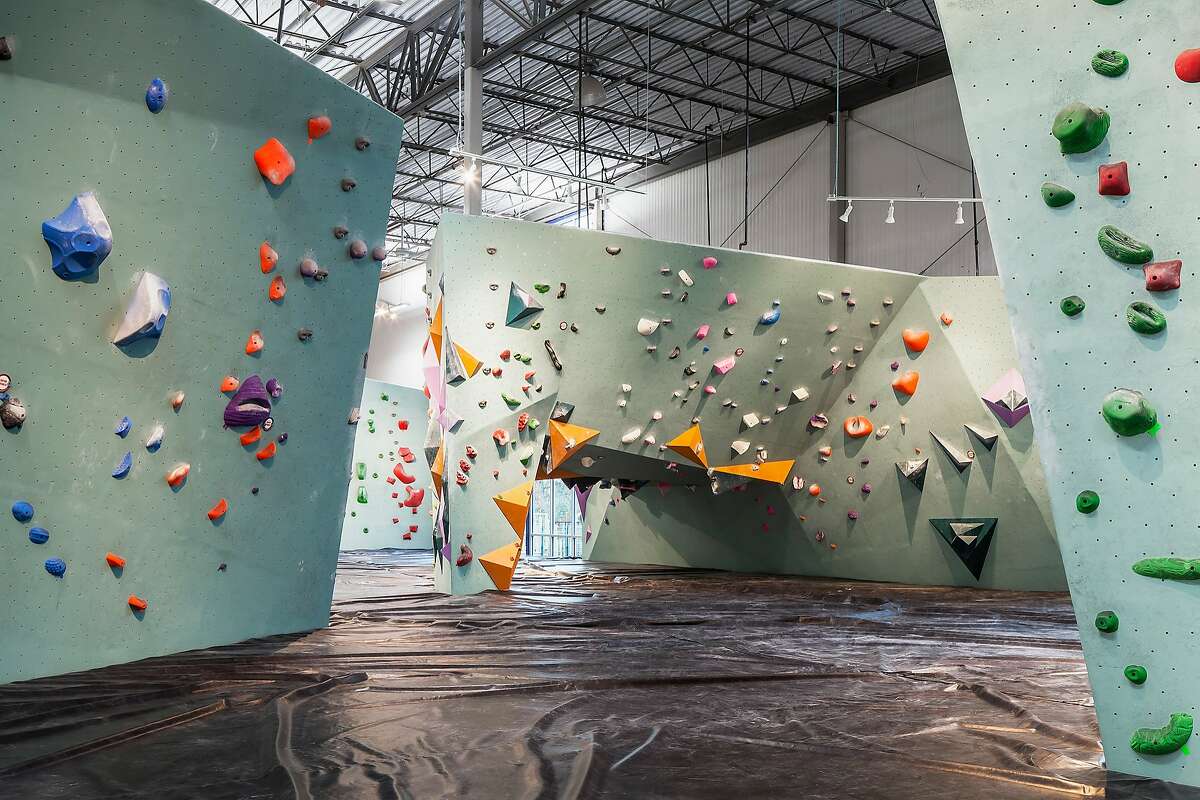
274 162
770 471
277 289
267 453
251 436
137 603
230 384
915 341
267 257
814 489
178 475
690 445
857 427
114 560
218 511
514 505
566 440
318 127
254 344
946 318
907 382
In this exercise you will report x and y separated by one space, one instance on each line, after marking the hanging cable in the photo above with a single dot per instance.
746 169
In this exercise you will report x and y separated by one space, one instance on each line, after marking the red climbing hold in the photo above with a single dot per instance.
218 511
178 475
274 162
1162 276
402 424
137 603
318 127
277 289
415 498
266 453
267 257
1114 179
1187 66
254 344
916 341
114 560
251 436
230 384
403 476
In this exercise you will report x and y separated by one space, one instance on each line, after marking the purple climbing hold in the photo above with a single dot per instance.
56 567
79 238
358 249
251 405
310 269
379 252
274 387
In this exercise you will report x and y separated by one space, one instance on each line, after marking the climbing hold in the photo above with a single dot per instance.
1169 569
229 384
630 436
1167 739
1080 128
1145 318
818 421
1162 276
156 95
914 471
501 436
6 52
1128 412
178 475
275 389
415 497
254 343
56 567
12 413
702 331
969 537
986 438
218 511
277 289
770 316
251 436
1072 306
310 269
959 459
723 365
1136 674
709 262
857 427
541 288
1122 247
1114 179
22 511
946 319
39 535
124 425
357 249
378 253
362 143
348 184
464 556
137 603
340 231
906 383
123 467
114 560
267 257
1087 501
1110 63
1006 398
251 405
318 127
146 311
1107 622
915 341
266 453
1187 66
1056 196
79 238
304 334
274 162
647 326
730 299
521 305
814 489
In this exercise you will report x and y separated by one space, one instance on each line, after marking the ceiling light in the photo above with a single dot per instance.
845 217
958 218
891 217
591 92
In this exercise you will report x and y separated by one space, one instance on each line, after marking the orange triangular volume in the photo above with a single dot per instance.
690 445
501 563
470 363
435 332
514 505
558 474
438 470
566 440
772 471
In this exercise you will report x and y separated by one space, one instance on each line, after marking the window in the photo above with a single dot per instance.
555 522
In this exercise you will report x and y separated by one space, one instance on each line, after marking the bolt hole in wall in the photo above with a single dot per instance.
555 526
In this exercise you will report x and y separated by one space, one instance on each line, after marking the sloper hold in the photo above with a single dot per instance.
1080 128
79 238
914 470
566 440
274 162
146 312
959 459
986 438
770 471
514 505
690 445
501 563
1056 195
521 305
1006 398
969 537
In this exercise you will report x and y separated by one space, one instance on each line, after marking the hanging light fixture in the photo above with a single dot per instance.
958 218
845 217
591 92
891 217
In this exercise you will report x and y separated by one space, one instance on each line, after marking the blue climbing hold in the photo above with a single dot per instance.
156 95
123 468
22 511
56 567
123 427
39 535
79 238
771 316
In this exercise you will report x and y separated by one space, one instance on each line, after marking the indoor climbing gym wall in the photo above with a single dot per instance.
1085 144
726 409
387 470
191 223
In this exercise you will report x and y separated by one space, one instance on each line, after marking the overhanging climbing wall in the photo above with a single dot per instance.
1085 313
177 185
387 470
816 391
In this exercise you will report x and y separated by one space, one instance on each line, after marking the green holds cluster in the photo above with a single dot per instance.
1136 674
1167 739
1087 501
1119 245
1128 412
1080 128
1107 622
1110 63
1169 569
1145 318
541 288
1072 306
1056 195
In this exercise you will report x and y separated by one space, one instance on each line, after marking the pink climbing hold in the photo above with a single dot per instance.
710 389
723 365
702 331
709 262
1162 276
731 299
404 477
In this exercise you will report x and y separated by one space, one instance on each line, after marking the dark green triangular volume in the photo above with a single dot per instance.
972 548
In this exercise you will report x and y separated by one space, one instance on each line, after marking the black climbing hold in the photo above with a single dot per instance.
340 232
348 184
5 49
362 143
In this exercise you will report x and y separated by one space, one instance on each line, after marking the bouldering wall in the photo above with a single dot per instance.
1084 142
820 430
115 563
387 467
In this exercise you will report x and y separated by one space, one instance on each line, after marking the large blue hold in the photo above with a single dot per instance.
22 511
156 95
39 535
79 238
123 468
56 567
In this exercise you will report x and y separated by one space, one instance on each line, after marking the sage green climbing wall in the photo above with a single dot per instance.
1016 65
185 201
391 432
839 332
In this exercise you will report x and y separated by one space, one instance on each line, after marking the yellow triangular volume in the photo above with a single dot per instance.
470 363
690 445
772 471
566 440
501 563
514 505
435 332
438 469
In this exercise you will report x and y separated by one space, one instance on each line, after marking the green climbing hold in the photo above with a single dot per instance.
1072 306
1145 318
362 494
1167 739
383 397
1087 501
1169 569
1128 412
526 360
1080 128
511 401
541 288
1107 622
1056 195
1119 245
1136 674
360 470
1110 63
1108 2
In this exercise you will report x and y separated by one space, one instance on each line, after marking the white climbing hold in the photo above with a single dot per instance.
882 431
749 420
739 446
647 326
685 278
799 395
657 415
626 388
824 296
630 436
649 439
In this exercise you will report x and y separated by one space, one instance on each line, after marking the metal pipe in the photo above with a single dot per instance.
482 159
